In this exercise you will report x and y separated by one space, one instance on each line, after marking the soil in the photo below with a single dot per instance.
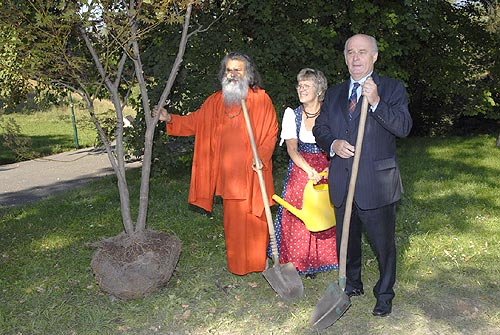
131 267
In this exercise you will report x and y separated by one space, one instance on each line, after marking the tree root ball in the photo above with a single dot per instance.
133 266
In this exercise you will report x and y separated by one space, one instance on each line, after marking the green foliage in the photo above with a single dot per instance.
49 45
13 140
17 86
448 66
443 52
13 86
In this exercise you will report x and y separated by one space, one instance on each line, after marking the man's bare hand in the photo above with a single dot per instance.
343 149
257 165
370 91
164 115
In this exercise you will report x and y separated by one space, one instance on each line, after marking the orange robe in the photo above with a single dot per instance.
222 165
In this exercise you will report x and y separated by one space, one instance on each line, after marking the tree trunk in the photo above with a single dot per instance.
152 121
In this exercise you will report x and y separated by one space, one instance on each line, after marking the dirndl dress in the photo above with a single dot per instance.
310 252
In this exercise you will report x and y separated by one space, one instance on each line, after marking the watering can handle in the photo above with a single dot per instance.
272 236
310 182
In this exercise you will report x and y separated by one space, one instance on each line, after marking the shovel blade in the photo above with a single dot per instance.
285 280
330 308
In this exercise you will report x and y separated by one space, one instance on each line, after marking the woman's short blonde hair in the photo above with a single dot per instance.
317 77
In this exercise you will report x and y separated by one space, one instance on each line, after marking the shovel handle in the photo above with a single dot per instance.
262 184
350 195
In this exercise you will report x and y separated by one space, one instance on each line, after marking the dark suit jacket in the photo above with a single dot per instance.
379 181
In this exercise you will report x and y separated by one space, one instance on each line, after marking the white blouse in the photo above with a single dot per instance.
289 131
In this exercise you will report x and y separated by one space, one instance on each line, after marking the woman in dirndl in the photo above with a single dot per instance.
310 252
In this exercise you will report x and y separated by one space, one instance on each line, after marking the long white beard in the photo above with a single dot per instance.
234 90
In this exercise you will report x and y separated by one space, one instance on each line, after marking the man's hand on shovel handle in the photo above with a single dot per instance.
257 165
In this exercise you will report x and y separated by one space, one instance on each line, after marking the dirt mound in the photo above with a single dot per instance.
131 267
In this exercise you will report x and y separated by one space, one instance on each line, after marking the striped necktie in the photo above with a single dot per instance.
353 99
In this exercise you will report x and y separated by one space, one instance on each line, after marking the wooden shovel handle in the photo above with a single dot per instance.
350 195
272 236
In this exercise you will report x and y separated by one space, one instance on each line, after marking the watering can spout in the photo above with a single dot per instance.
297 212
317 212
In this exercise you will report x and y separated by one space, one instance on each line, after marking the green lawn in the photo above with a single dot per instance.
448 237
51 131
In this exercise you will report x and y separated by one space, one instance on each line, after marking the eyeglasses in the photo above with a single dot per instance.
303 87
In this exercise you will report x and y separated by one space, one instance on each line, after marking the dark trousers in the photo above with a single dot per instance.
380 226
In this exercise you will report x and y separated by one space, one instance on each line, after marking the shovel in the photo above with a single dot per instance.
335 302
283 278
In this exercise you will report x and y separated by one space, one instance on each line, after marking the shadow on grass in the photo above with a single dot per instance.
40 146
451 283
36 193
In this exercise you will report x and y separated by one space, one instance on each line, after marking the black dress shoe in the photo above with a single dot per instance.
382 308
355 292
310 275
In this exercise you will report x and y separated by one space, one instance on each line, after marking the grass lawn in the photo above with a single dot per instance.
51 131
448 238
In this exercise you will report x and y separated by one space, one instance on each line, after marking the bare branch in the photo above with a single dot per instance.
202 30
178 59
119 71
117 160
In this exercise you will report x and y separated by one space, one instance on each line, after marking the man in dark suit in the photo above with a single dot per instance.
378 186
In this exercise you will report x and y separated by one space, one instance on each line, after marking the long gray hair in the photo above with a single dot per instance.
254 79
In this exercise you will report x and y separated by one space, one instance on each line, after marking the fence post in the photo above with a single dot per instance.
73 121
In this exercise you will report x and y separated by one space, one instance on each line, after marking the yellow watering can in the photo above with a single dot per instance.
317 212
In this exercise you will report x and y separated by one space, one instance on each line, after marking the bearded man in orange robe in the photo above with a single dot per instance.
223 162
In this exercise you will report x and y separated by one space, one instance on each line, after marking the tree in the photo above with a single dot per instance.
13 87
93 48
441 50
490 11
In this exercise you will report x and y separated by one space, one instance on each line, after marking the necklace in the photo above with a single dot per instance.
310 115
232 116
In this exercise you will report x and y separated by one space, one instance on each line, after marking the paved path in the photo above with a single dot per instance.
28 181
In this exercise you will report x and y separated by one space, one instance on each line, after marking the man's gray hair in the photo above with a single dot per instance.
254 79
372 40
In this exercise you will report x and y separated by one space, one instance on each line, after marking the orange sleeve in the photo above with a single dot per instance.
202 125
183 125
269 129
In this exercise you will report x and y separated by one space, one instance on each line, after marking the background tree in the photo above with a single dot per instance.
490 14
13 87
442 50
